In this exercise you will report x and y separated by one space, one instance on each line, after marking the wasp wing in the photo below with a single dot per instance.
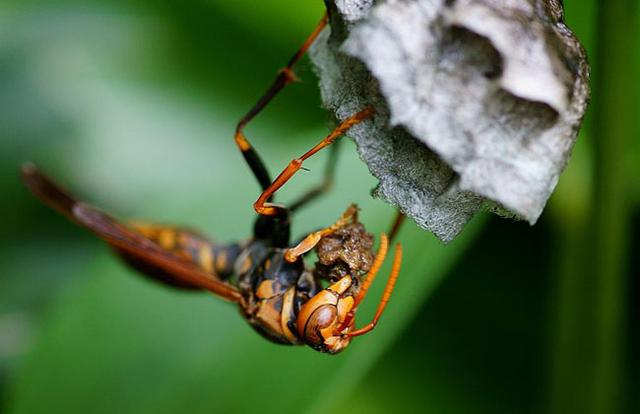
138 250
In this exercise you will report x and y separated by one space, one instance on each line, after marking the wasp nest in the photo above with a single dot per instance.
478 102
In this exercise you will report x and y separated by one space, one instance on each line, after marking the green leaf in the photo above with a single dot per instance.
113 342
119 344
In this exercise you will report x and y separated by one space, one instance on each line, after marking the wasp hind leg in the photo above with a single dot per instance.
285 76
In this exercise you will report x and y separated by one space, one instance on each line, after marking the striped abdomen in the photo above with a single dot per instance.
215 259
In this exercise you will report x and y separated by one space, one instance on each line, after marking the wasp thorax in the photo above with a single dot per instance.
347 251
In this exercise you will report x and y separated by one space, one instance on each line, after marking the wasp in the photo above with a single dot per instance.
282 298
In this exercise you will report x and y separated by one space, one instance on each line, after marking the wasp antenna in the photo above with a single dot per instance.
388 289
375 268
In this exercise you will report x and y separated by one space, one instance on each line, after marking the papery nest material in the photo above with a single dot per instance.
478 102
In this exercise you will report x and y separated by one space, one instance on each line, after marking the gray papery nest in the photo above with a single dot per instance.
478 102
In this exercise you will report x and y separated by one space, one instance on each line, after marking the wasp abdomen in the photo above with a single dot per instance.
216 259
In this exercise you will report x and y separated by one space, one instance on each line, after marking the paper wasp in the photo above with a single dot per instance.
282 299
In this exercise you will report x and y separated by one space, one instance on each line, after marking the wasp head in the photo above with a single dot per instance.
344 257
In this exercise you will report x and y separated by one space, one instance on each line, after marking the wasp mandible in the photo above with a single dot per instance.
266 276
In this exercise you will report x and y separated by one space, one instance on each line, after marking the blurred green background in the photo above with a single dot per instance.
133 103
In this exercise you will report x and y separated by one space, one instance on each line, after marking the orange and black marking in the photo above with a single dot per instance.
209 256
281 298
266 276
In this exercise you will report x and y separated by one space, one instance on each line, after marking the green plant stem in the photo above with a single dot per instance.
573 316
614 124
588 363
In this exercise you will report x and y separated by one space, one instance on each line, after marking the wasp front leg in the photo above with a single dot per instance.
312 240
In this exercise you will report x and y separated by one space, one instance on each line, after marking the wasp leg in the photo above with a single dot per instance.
391 282
311 240
284 77
396 225
324 186
262 206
